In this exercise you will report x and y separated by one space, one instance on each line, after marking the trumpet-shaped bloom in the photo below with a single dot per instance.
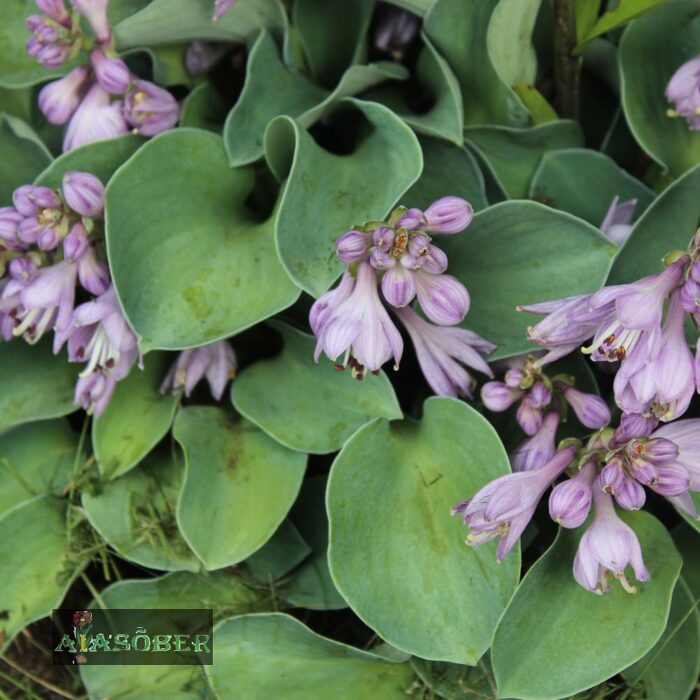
537 450
150 109
59 99
97 118
570 501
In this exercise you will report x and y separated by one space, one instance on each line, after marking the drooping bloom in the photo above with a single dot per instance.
537 450
216 362
590 409
59 99
617 222
150 109
221 7
570 500
111 73
97 118
358 327
608 545
441 351
504 507
684 90
95 11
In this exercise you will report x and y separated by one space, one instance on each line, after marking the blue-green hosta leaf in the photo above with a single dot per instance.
35 459
33 552
308 406
520 253
165 22
393 541
584 183
191 264
652 49
135 514
514 154
348 189
24 156
239 485
137 417
459 29
668 224
259 657
279 555
581 638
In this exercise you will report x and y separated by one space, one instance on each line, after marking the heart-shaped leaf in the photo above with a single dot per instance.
393 540
385 163
137 417
239 485
275 656
315 409
671 34
179 194
520 253
591 637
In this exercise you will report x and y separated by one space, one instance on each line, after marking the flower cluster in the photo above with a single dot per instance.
640 327
399 258
684 91
542 402
51 245
100 97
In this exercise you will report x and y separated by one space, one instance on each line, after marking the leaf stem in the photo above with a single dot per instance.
567 66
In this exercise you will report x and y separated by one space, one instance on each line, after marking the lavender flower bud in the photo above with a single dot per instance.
55 9
630 495
539 449
672 480
395 30
150 109
352 246
383 238
612 476
221 7
399 286
22 269
59 99
412 220
448 215
76 243
111 73
435 262
514 377
84 193
634 425
539 395
570 501
683 90
49 239
443 298
95 11
529 416
656 450
497 397
695 270
380 260
644 472
590 409
690 296
10 219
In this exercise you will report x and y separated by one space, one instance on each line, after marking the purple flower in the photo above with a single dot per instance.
443 298
95 11
504 507
47 301
399 286
202 56
529 416
83 193
635 425
59 99
10 219
94 392
498 397
52 41
445 215
56 9
395 30
590 409
79 247
616 224
608 545
684 90
326 305
570 501
685 436
216 362
150 109
111 73
359 326
96 118
440 350
537 450
352 246
221 7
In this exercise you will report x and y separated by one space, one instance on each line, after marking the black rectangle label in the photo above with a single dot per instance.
133 637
